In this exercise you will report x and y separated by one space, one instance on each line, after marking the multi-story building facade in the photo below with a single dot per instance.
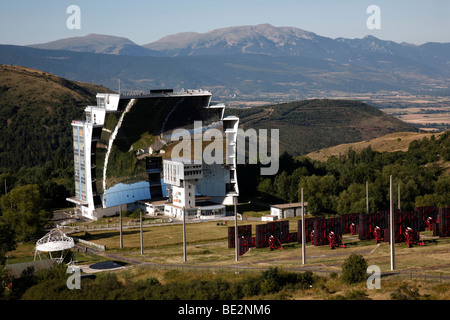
119 149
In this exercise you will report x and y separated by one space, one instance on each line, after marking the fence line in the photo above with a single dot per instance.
86 227
91 244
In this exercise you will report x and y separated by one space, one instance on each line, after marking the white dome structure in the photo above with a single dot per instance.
56 242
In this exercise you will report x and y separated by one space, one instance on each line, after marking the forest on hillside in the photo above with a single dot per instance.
36 112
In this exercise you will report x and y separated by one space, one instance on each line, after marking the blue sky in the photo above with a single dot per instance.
25 22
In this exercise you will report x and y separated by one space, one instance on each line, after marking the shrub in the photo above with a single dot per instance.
273 280
403 292
251 287
270 281
354 269
136 214
108 287
352 295
333 275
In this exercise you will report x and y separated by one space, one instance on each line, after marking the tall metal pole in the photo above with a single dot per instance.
367 196
236 239
303 232
121 234
184 235
142 235
399 208
391 221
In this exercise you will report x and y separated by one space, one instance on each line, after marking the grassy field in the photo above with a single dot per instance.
421 114
424 268
207 245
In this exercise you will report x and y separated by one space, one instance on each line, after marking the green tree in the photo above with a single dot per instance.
428 200
354 269
265 187
440 197
24 211
442 188
320 193
294 180
353 200
414 180
7 242
281 185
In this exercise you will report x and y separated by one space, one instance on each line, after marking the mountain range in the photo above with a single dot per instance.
253 62
262 39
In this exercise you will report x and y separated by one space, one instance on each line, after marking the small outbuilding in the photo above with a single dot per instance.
287 210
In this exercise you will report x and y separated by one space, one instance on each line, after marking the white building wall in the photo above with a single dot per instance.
87 147
107 212
184 196
289 213
213 182
108 101
173 211
231 124
286 213
275 212
95 115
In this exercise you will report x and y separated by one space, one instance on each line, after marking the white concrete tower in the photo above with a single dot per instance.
182 175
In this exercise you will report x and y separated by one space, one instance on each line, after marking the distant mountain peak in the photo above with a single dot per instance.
370 37
107 37
98 43
248 39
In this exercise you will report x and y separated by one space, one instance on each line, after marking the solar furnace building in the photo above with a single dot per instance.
119 149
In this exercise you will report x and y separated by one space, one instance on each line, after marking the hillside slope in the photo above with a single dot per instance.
311 125
393 142
36 110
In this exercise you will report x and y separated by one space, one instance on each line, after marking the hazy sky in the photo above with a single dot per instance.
25 22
